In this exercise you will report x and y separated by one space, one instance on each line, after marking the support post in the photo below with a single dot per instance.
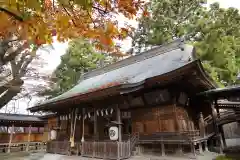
221 128
200 147
162 148
95 125
10 139
29 137
206 146
74 127
119 124
223 136
71 129
193 149
201 125
83 118
214 115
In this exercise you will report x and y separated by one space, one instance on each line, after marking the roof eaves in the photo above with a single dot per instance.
212 84
78 96
220 91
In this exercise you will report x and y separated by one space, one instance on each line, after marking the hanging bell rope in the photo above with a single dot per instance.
102 112
89 115
106 112
111 111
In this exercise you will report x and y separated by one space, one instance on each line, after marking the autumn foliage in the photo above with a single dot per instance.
39 20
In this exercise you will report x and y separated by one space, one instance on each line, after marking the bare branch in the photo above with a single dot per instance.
69 16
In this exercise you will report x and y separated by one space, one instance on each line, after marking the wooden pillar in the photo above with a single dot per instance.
96 136
193 149
223 136
162 147
201 125
200 147
214 116
205 146
75 113
83 118
211 143
29 137
119 124
221 128
10 138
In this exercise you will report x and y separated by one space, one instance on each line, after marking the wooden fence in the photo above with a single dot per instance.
21 146
106 150
59 147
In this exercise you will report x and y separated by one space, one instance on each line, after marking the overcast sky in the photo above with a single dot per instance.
53 58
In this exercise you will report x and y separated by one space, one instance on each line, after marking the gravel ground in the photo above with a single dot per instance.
46 156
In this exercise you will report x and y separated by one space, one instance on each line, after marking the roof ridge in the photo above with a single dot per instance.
176 44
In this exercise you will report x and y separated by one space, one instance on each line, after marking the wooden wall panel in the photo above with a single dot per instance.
167 118
21 137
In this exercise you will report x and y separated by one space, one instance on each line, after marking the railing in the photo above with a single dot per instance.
208 119
106 150
191 134
133 140
185 137
222 118
58 147
21 146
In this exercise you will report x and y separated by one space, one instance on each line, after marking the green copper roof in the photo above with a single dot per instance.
154 62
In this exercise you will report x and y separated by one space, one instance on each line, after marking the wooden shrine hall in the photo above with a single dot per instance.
20 132
142 104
